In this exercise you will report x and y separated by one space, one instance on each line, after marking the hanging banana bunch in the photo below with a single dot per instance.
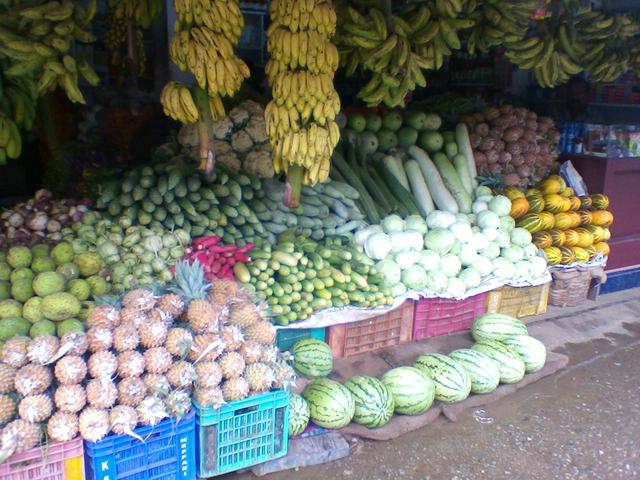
35 56
300 119
206 33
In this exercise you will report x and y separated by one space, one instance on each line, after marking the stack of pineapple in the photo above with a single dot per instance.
141 360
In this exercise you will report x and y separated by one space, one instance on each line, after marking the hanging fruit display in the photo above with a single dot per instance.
204 44
300 119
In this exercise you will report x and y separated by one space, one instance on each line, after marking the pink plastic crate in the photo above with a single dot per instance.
439 316
56 461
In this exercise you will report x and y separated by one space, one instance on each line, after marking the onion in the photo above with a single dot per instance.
524 170
511 179
15 220
54 225
504 157
482 129
38 221
495 168
43 195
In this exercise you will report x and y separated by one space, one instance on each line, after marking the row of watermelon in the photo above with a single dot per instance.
503 353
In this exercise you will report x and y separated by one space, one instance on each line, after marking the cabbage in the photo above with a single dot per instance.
463 218
490 233
440 219
393 223
377 246
361 235
456 287
503 268
429 260
462 231
538 266
485 198
479 241
405 241
389 270
414 278
507 223
488 219
483 265
520 237
450 265
398 290
513 253
439 240
491 251
500 205
437 281
502 238
471 277
523 268
467 255
530 250
416 222
457 246
478 207
482 191
407 259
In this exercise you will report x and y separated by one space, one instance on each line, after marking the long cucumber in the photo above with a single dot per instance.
401 193
461 166
442 197
394 167
419 188
367 202
373 189
452 181
396 206
464 147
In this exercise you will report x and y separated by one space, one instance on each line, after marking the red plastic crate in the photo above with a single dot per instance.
386 330
439 316
55 461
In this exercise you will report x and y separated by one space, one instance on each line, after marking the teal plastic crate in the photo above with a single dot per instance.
242 433
285 338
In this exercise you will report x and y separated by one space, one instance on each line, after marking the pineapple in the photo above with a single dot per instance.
235 389
101 393
284 373
18 437
232 365
243 314
181 374
151 411
260 377
125 337
157 360
224 291
70 370
156 384
202 316
206 348
62 427
42 349
131 391
270 353
123 419
133 317
139 299
35 408
178 403
33 380
14 351
232 338
94 424
70 398
209 397
179 341
171 304
7 378
153 334
209 374
251 352
7 409
191 284
102 364
99 338
105 316
262 332
74 343
160 316
131 364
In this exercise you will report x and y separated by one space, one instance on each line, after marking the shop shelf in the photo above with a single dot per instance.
439 316
519 301
285 338
56 461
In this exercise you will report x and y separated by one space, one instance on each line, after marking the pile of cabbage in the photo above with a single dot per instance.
448 254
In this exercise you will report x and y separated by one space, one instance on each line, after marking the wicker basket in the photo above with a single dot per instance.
570 287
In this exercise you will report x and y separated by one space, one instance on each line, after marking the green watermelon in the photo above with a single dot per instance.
450 378
298 414
374 402
331 404
531 350
413 392
497 326
312 358
482 370
510 364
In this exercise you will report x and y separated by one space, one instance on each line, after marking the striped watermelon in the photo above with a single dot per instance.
298 414
531 350
374 402
450 378
510 364
331 404
413 392
483 372
312 358
496 326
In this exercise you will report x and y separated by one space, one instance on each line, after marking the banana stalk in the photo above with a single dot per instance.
293 186
205 123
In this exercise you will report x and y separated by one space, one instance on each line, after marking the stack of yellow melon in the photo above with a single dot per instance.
567 227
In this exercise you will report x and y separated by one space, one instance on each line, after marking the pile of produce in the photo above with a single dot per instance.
298 276
45 291
141 360
503 353
39 220
568 228
217 260
512 146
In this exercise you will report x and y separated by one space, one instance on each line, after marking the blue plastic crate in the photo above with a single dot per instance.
242 433
168 452
286 337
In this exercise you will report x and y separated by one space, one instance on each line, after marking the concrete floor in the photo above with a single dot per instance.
582 423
